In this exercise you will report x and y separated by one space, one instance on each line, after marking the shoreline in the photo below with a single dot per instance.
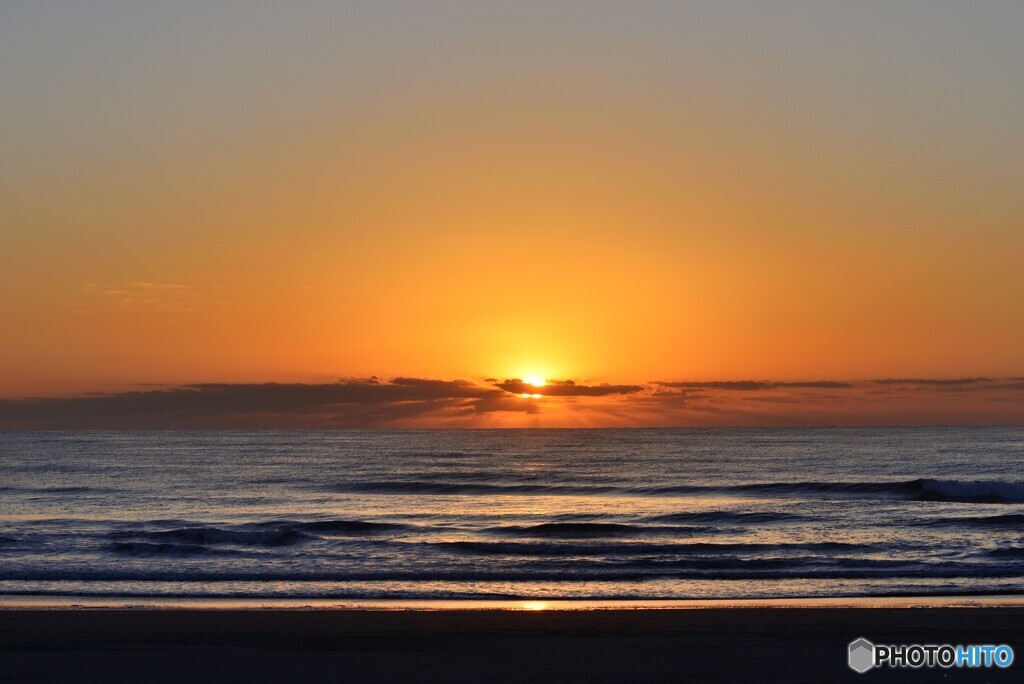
12 602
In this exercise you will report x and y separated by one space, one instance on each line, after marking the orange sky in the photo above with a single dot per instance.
607 194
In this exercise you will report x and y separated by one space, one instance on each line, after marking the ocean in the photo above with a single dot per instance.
513 514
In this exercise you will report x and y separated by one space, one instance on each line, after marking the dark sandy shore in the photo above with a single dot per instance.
701 645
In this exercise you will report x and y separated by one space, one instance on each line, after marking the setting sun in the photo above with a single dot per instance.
535 381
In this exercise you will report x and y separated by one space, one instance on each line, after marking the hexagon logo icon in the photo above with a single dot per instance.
861 655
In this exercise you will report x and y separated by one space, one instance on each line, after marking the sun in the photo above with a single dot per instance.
535 381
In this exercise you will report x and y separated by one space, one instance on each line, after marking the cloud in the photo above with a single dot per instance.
1008 385
931 381
426 402
139 296
567 388
362 402
753 385
729 403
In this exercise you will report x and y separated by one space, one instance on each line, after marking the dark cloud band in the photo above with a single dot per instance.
416 402
753 385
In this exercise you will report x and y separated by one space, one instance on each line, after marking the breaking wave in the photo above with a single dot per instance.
268 534
979 491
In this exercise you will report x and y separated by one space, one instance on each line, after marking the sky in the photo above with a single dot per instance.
385 214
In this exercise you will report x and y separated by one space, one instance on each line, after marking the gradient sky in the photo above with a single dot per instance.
229 194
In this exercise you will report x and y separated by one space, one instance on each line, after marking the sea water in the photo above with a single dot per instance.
505 514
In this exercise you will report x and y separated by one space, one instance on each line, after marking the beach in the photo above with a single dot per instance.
734 644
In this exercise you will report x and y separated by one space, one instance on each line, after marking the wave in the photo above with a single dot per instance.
332 526
1008 520
978 491
635 549
923 489
162 549
981 491
783 489
442 454
626 595
802 566
71 490
725 516
279 480
585 529
449 488
217 535
55 490
268 533
575 571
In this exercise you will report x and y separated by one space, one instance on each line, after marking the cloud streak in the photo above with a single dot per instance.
139 296
754 385
932 381
426 402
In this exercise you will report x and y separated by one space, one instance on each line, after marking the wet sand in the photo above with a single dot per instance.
479 646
